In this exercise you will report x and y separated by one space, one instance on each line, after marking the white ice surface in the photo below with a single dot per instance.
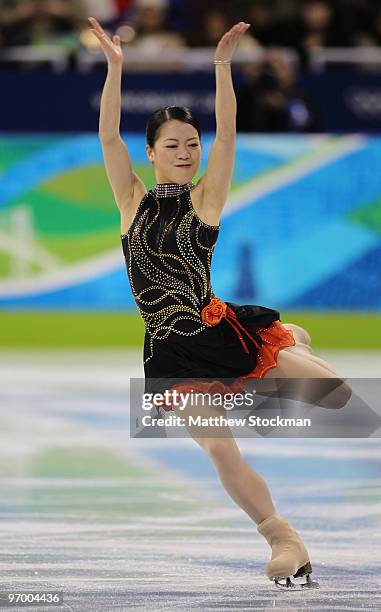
119 523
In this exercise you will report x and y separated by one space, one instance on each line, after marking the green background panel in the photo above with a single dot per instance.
110 329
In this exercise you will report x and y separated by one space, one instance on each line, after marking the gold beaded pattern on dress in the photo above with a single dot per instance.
168 253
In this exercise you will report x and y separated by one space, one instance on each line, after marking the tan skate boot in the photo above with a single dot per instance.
289 555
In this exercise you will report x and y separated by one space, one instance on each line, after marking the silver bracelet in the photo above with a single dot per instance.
222 61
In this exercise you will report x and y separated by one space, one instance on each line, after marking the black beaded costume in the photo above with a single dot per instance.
168 252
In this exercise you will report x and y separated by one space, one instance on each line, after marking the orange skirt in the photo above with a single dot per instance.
275 338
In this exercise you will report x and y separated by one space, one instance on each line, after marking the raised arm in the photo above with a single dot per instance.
216 181
124 182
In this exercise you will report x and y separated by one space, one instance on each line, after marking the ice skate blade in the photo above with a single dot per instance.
288 584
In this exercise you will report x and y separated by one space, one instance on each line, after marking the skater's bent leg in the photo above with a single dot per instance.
329 391
303 346
247 488
322 363
301 337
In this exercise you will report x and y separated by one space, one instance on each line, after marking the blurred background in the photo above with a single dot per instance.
301 233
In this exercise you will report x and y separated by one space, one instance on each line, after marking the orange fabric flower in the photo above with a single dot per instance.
213 312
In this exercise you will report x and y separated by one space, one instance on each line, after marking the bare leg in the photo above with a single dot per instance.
299 363
247 488
303 346
244 485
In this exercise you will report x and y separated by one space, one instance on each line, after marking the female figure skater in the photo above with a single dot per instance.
168 237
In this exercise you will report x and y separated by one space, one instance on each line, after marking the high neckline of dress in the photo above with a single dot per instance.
166 190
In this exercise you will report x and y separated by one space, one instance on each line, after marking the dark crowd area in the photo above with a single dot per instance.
272 96
299 24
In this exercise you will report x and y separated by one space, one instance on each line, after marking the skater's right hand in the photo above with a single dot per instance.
111 48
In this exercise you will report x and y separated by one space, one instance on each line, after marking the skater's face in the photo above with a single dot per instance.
176 154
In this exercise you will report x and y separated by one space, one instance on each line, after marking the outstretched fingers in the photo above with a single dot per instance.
238 29
101 35
232 36
110 45
96 25
99 32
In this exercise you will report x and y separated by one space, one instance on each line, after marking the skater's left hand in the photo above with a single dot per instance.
228 43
